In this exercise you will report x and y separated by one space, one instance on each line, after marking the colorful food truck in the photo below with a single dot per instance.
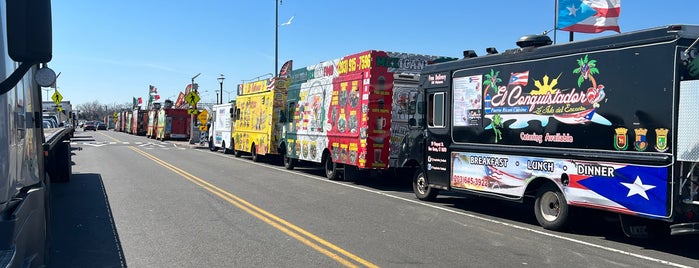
607 123
259 109
152 122
351 113
172 124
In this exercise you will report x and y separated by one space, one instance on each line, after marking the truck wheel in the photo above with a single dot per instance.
551 208
212 147
253 152
421 188
226 150
330 168
289 163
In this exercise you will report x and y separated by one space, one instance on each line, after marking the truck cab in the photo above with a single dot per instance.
24 196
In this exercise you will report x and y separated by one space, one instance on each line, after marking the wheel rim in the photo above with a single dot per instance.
550 206
421 185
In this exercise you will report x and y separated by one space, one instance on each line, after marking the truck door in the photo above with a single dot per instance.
437 162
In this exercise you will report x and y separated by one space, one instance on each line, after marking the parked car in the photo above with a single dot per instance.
90 126
101 126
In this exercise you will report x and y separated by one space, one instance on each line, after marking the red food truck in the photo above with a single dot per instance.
172 124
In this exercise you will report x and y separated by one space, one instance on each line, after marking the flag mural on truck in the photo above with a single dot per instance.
622 188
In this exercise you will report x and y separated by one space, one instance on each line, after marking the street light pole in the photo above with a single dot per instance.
276 36
193 130
220 81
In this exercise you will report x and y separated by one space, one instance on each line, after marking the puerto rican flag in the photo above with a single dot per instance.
588 16
633 190
521 79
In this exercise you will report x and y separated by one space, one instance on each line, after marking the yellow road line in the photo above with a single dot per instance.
267 217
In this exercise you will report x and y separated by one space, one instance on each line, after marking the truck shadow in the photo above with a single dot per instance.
586 224
82 226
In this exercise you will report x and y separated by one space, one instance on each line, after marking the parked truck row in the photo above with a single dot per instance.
605 123
161 123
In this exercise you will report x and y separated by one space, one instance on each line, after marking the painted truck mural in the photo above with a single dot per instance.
259 109
581 124
172 124
351 111
152 122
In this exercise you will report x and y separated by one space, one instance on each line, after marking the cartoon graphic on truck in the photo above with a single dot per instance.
349 114
554 123
259 115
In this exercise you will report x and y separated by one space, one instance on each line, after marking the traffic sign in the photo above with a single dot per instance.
191 111
203 116
56 97
115 115
192 98
59 108
203 128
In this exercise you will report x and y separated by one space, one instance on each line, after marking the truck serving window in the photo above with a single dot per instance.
435 110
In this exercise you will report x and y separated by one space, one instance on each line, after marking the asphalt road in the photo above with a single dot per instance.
138 202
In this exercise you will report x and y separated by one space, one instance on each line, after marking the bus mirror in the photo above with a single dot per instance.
420 108
29 33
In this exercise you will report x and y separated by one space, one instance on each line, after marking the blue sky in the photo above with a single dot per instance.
111 51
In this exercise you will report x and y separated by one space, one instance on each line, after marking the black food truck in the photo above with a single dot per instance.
609 123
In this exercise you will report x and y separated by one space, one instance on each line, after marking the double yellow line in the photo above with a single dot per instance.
326 248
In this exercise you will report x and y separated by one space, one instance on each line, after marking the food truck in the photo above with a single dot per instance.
172 123
259 116
220 133
350 114
152 122
607 123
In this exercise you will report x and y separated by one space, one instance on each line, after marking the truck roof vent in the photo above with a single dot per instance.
534 40
469 54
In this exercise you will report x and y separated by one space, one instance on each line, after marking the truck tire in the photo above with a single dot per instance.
421 187
330 168
226 149
212 147
289 163
255 156
550 208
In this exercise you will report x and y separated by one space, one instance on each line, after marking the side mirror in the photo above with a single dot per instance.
29 32
420 107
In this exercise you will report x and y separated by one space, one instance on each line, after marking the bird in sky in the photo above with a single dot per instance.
288 22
